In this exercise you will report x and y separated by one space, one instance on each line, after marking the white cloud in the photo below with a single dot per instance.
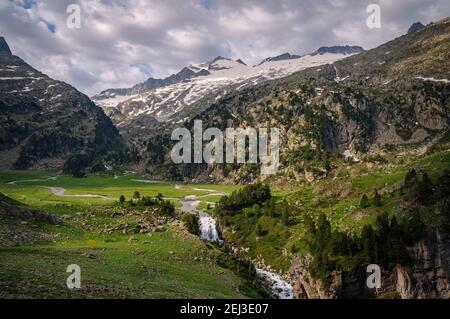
121 40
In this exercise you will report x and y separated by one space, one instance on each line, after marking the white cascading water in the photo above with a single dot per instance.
279 287
208 228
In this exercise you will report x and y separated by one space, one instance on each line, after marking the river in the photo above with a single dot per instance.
279 288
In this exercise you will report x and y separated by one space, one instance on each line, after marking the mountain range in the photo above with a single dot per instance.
48 124
393 98
338 99
166 99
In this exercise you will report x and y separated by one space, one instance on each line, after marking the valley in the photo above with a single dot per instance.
168 263
360 143
156 257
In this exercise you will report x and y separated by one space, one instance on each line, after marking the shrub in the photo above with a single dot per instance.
377 200
191 223
247 197
364 202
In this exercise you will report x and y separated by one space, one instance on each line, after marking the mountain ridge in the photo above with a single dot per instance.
4 47
393 96
172 103
49 124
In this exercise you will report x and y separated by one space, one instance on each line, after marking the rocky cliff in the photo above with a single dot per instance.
44 122
394 97
427 278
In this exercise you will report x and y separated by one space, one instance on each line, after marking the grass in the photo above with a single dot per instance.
172 264
278 244
168 264
30 189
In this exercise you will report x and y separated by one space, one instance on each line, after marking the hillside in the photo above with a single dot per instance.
47 123
178 98
389 100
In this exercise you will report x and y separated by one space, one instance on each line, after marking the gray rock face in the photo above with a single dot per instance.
340 49
44 122
281 57
428 278
430 275
417 26
4 48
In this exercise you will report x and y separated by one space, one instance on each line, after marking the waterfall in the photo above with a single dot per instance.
208 228
279 287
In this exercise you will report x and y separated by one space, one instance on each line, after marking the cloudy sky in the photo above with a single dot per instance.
123 42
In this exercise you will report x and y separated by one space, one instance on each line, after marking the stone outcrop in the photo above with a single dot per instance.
13 211
427 278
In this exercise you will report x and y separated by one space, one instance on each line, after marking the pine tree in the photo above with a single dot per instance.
443 187
369 245
259 230
136 195
323 235
411 178
364 202
122 199
425 189
377 200
285 216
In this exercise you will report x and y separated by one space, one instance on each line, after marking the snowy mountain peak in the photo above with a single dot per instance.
175 99
220 58
4 47
281 57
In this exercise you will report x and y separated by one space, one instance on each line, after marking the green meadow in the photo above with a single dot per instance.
174 263
168 264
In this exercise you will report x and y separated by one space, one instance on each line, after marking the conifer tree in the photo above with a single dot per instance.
364 202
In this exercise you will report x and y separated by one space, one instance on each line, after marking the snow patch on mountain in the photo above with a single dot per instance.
216 78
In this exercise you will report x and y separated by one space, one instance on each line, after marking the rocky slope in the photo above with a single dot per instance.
171 99
45 122
427 278
391 98
18 225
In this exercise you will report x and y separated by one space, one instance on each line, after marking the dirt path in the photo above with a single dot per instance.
61 192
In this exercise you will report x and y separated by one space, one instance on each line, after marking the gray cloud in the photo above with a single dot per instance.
121 41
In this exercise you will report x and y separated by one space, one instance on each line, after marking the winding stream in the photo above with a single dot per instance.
279 288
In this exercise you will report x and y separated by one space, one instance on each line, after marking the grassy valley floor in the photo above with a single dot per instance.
119 260
115 260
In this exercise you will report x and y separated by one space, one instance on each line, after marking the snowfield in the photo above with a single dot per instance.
222 75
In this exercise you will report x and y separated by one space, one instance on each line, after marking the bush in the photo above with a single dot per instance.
259 230
364 202
191 223
377 200
247 197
